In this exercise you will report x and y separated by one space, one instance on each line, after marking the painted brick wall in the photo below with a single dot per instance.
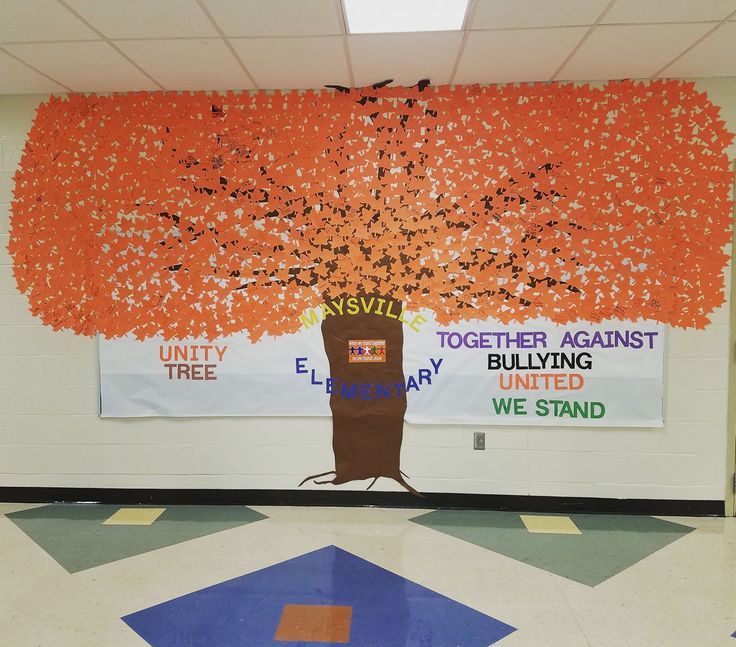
50 434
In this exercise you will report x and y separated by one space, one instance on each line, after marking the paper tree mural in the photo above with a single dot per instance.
206 215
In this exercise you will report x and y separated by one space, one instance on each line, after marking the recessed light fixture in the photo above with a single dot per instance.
381 16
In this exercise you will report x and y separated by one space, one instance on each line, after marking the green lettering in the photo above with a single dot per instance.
502 405
542 408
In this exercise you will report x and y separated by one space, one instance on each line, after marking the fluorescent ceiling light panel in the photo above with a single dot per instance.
383 16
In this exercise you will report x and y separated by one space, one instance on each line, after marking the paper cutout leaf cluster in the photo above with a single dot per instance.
204 215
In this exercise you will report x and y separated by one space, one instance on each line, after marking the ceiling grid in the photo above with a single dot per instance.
128 45
110 43
723 23
344 38
555 76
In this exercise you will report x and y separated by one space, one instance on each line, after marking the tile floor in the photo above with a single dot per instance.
188 576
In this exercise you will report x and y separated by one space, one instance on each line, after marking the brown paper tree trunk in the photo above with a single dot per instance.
366 430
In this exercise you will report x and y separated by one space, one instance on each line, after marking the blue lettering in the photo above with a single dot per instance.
383 390
425 374
349 391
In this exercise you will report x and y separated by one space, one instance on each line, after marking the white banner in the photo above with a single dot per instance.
479 372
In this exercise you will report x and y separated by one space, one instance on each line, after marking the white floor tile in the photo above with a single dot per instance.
681 596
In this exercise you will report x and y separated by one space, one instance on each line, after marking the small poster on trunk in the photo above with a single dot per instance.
366 350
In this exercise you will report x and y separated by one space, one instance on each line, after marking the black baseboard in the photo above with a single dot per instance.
516 503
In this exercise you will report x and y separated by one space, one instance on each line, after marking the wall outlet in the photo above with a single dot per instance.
479 440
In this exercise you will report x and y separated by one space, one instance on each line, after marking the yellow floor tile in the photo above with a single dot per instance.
550 524
134 517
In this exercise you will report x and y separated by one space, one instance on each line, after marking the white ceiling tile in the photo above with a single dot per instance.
635 11
294 63
16 78
35 20
145 18
631 51
714 56
201 64
276 17
405 58
92 66
505 14
518 55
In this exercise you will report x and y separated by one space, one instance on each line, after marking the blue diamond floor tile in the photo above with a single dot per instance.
387 609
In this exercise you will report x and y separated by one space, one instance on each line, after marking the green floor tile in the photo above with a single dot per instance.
607 545
74 535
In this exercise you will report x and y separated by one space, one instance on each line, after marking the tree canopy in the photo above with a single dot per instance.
208 214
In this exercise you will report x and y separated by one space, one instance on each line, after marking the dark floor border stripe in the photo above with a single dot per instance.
361 498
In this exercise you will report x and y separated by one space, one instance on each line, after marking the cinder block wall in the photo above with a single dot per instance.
50 434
